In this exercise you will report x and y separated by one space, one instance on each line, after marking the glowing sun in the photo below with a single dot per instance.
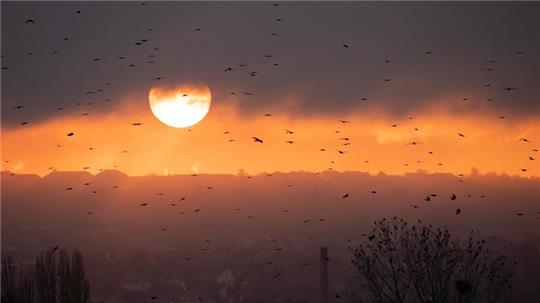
180 106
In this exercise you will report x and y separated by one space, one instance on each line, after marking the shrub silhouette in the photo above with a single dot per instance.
54 277
402 263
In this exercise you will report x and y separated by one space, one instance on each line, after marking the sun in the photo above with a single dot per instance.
180 106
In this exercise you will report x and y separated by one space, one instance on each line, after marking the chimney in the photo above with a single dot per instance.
324 275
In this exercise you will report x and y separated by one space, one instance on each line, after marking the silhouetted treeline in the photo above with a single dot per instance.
421 263
55 276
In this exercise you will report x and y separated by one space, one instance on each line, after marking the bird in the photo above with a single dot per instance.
144 204
70 134
229 69
461 135
136 124
30 21
453 197
257 140
345 45
508 89
289 132
427 198
345 196
458 211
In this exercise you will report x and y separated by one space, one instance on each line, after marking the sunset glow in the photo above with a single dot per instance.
429 142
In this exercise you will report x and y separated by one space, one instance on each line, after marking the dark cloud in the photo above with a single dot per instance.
314 68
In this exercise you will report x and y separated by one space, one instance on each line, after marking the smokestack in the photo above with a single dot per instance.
324 275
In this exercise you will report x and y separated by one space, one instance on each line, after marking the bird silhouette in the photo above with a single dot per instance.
257 140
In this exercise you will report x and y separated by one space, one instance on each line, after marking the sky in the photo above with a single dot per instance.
408 78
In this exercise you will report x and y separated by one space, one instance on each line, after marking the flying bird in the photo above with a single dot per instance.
257 140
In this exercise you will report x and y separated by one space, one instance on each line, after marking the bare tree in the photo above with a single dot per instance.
45 276
402 263
26 290
80 288
9 283
64 277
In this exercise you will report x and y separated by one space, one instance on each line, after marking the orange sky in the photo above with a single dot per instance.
490 144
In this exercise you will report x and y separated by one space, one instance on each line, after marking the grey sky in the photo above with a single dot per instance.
314 67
